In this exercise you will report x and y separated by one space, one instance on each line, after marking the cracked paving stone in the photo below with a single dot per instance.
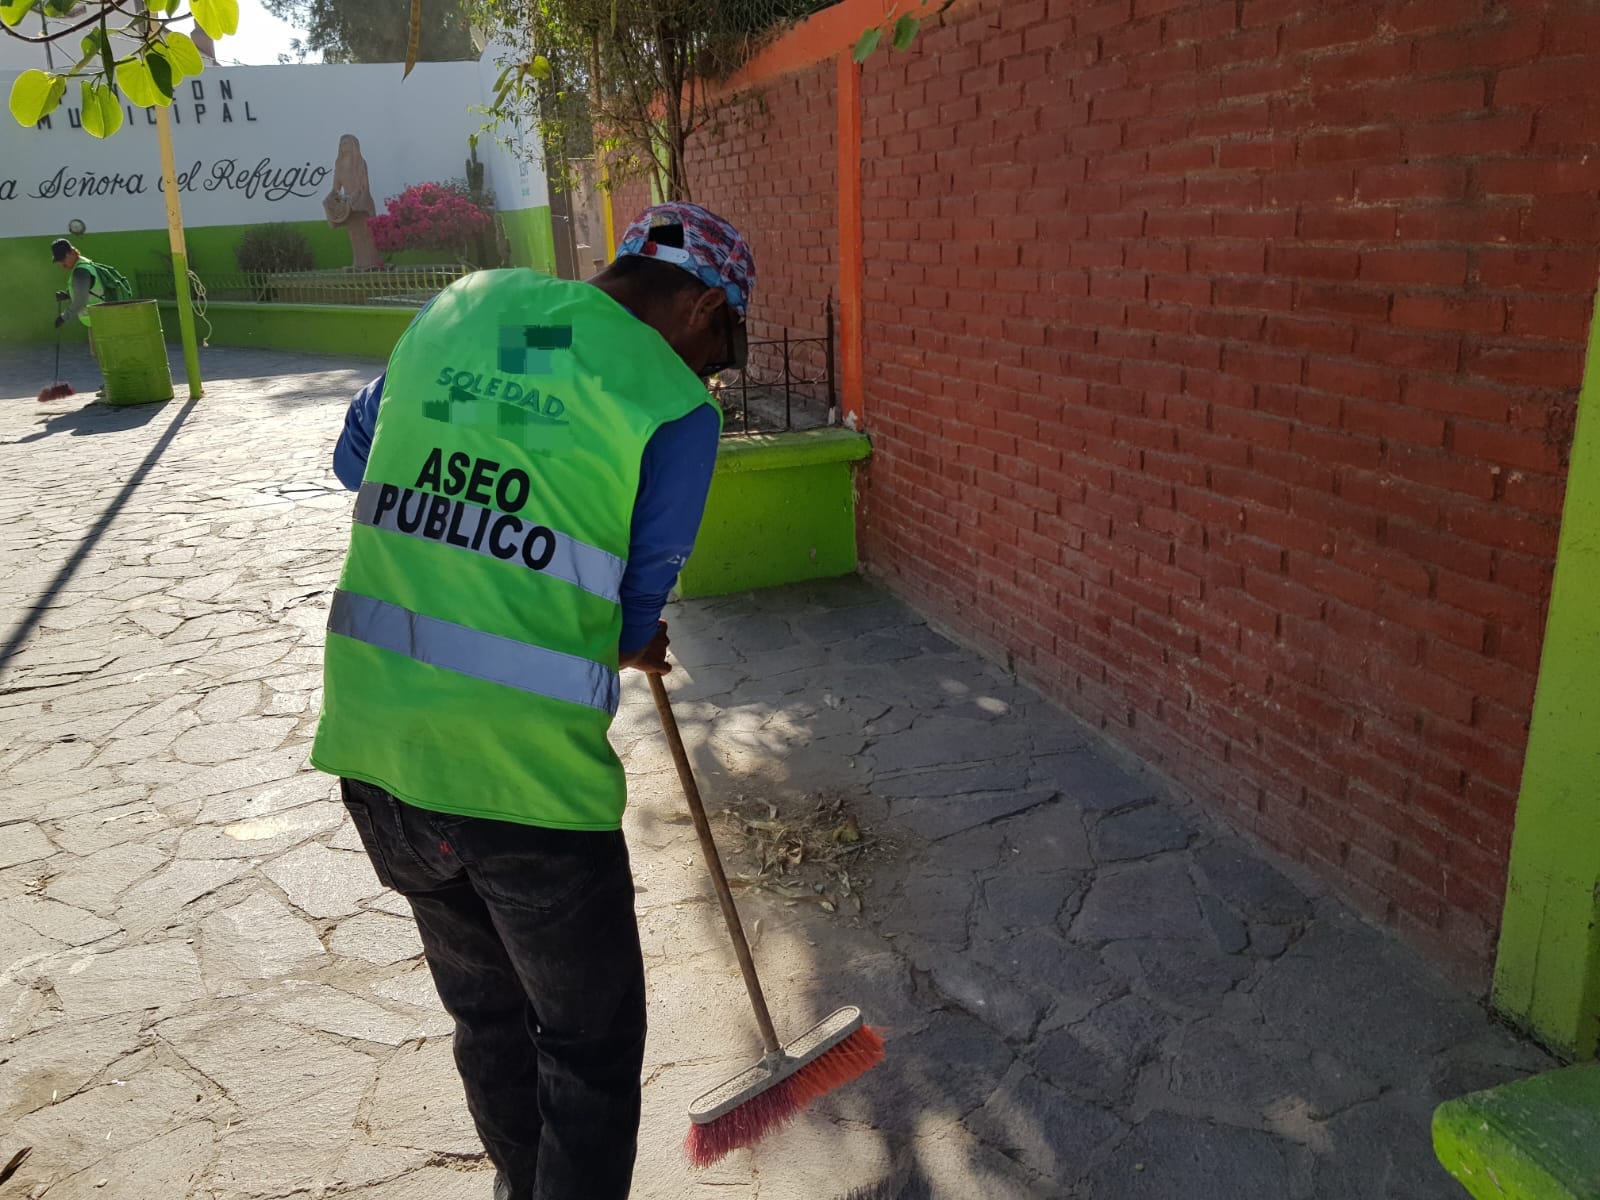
1129 1027
116 1118
171 1165
23 842
842 624
1044 1128
1072 977
263 1064
260 837
1220 1068
101 828
1348 986
417 1102
40 1068
318 1006
182 883
932 819
1168 1157
1177 974
259 938
929 906
1154 829
1029 901
323 882
1250 885
232 702
1367 1153
956 781
942 741
1144 900
308 787
1226 929
207 743
53 919
1008 1006
127 980
1094 781
414 988
376 938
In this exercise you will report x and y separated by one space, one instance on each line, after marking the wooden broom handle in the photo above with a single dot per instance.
708 845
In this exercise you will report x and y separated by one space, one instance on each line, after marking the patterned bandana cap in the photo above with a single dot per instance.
713 251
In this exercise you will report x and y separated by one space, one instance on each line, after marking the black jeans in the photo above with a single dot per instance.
534 948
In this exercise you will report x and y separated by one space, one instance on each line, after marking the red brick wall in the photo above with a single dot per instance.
767 161
1221 365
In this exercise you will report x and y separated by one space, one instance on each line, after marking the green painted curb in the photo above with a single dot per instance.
1535 1139
366 330
781 510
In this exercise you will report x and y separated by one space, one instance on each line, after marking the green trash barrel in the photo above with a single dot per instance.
132 351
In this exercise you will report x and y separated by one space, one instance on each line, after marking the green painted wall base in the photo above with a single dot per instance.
349 329
781 510
1536 1139
1547 972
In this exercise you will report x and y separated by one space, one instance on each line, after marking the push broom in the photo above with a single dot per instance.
830 1054
57 390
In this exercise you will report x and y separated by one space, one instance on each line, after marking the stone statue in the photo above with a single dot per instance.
349 203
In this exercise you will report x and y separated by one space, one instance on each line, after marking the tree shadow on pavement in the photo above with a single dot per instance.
92 418
1088 989
97 418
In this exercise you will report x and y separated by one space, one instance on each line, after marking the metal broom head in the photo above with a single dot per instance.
743 1110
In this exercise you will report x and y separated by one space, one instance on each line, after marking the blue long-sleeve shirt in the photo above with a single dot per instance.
674 477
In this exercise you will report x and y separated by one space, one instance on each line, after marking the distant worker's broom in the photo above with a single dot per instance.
57 390
830 1054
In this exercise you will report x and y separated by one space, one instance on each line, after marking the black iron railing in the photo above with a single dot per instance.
399 287
788 384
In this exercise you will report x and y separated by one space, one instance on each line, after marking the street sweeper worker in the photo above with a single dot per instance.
89 283
531 470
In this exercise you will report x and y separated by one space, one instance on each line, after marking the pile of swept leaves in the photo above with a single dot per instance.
808 849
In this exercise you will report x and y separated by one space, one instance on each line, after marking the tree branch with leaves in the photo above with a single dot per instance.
129 52
624 78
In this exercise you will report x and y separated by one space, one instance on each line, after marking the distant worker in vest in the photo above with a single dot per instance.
91 283
531 471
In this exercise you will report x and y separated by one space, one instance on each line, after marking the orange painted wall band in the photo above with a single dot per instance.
852 368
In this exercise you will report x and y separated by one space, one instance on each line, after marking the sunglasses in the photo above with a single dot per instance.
737 353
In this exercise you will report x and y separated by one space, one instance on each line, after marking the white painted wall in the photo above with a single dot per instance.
255 144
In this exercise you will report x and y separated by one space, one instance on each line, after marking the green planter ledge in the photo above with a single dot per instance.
781 510
369 331
1535 1139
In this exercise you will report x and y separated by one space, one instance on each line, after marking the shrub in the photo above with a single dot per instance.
272 248
431 216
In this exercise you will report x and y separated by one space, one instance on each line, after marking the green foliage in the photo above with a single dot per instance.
867 44
35 95
373 31
267 249
157 58
102 111
904 30
623 77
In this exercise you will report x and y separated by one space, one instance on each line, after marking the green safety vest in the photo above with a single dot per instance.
471 662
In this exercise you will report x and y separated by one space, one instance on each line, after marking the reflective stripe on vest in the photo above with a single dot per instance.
491 533
486 656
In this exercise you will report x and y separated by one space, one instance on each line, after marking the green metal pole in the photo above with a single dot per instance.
180 253
1547 975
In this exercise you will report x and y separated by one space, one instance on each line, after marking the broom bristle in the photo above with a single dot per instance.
56 391
772 1109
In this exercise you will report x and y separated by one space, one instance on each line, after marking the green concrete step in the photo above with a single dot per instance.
1536 1139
